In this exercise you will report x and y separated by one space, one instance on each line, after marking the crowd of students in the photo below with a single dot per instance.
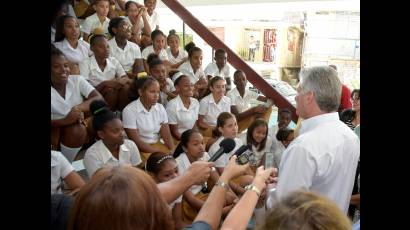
149 118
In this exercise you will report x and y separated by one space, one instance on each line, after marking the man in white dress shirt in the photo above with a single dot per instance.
324 157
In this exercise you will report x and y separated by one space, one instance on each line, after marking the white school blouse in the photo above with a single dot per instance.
211 110
92 22
91 71
74 55
224 159
125 56
179 115
148 123
184 164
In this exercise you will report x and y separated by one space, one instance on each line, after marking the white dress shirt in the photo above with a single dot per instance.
174 60
186 69
77 88
98 156
242 104
91 71
323 159
184 164
224 159
92 22
76 55
150 49
179 115
211 110
125 56
60 168
212 69
148 123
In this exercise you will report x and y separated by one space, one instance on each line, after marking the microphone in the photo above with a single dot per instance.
226 146
242 149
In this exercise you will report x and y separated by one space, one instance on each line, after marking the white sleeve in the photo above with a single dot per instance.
84 68
171 85
208 70
65 166
85 87
230 95
172 114
129 119
163 114
135 154
296 170
136 51
164 55
86 28
91 163
119 70
203 106
145 53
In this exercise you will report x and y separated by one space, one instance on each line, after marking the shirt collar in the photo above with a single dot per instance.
94 64
106 155
180 105
313 122
140 107
114 44
211 100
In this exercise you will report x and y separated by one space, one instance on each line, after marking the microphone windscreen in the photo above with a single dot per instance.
228 144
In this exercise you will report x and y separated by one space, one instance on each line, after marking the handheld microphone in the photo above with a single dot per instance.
226 146
242 149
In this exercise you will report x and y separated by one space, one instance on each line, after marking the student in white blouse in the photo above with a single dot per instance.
153 20
193 67
62 170
212 105
220 67
106 74
66 40
183 110
283 138
137 16
112 149
126 52
228 128
189 150
176 55
146 121
70 99
98 20
241 102
157 47
257 137
158 70
324 157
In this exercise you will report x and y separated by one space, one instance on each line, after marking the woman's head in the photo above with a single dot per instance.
355 98
192 143
285 136
239 79
220 58
226 125
101 7
173 41
284 117
108 127
99 46
217 86
131 9
184 86
195 57
162 167
158 39
120 197
148 90
157 68
257 133
67 27
306 210
150 4
119 28
60 69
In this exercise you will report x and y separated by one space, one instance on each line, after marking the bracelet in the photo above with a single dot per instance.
252 187
222 184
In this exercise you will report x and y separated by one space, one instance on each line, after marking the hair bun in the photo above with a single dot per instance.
97 106
171 32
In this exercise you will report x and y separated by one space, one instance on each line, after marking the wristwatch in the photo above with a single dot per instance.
222 184
253 188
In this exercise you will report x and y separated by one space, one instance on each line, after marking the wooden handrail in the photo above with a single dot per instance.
233 58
